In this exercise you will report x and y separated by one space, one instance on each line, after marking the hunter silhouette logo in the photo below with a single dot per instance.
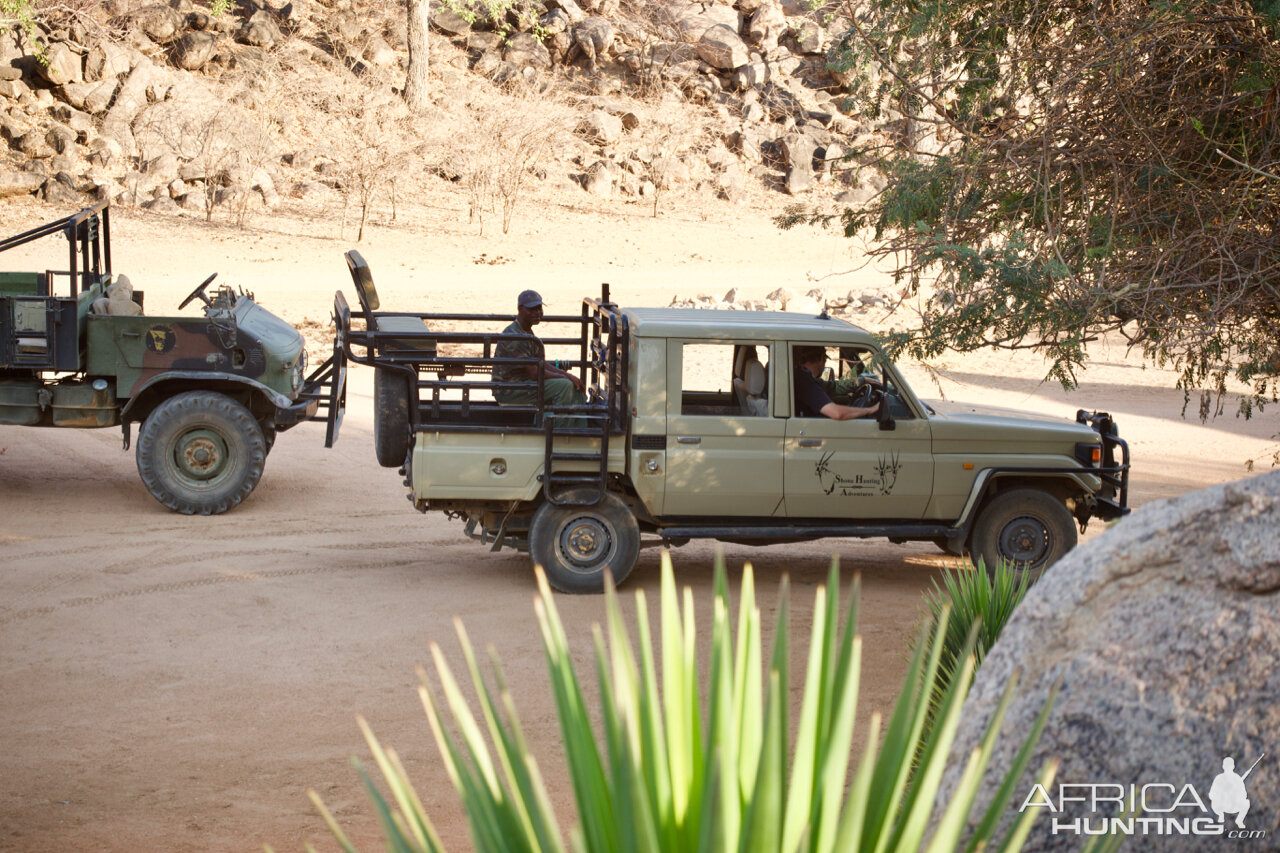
886 477
1227 794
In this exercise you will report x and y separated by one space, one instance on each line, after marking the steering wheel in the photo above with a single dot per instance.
866 396
198 293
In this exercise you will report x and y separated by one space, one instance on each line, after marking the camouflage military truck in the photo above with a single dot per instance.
211 392
692 431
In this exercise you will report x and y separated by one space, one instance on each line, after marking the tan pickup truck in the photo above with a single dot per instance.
691 430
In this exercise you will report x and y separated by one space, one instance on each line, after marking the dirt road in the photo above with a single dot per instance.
174 683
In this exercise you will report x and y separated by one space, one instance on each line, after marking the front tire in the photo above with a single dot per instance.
200 453
1027 528
575 545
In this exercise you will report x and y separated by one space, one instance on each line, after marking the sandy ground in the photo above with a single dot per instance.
173 683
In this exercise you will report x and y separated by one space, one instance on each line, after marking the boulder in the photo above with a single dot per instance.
570 8
598 179
61 138
766 25
449 21
731 185
810 37
797 152
1162 636
75 93
106 60
260 30
57 192
19 183
34 144
751 75
160 24
63 65
161 204
747 143
691 19
380 54
780 103
722 48
15 89
97 101
600 128
592 40
194 49
524 50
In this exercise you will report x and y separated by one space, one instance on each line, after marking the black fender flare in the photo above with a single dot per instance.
203 380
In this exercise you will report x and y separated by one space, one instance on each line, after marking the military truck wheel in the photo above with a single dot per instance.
1027 528
200 453
576 544
390 417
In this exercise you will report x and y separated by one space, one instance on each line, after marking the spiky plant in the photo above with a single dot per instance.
669 772
970 611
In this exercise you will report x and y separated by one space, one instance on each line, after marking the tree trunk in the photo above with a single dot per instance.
415 86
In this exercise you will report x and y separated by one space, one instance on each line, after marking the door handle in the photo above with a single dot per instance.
810 442
689 439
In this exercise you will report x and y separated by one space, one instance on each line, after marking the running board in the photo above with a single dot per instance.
779 531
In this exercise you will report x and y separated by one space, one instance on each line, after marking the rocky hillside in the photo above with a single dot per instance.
179 110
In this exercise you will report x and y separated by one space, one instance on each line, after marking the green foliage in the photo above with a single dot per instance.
970 611
22 14
1070 171
496 13
680 763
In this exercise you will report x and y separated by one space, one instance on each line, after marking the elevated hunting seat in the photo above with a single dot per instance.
402 332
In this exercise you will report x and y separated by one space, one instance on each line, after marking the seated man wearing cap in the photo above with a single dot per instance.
559 388
812 400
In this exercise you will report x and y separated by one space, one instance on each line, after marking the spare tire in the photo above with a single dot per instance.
390 417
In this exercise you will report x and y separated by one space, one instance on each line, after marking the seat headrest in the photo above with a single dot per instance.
753 373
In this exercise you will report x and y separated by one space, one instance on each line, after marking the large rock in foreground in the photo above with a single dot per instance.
1164 635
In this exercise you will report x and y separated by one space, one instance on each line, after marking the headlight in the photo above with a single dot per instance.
299 371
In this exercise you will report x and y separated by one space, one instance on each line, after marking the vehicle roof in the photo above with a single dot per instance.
716 324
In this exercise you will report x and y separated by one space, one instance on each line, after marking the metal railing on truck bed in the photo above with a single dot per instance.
453 377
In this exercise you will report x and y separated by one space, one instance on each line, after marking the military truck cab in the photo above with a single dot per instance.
691 429
210 392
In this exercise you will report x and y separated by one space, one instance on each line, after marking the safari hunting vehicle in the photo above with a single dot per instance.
210 392
690 431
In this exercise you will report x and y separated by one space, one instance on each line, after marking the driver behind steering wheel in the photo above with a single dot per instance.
812 400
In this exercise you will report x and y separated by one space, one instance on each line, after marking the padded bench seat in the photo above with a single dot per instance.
414 329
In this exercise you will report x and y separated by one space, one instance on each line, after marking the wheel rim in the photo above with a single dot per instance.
584 544
201 456
1025 542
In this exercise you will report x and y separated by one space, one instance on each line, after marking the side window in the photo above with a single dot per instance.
724 379
848 376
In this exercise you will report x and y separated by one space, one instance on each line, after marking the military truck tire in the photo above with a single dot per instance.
1027 528
575 545
390 417
200 453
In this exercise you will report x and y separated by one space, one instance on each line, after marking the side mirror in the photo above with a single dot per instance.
884 417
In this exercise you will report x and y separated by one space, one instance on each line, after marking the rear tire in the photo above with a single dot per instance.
390 417
200 453
575 545
1027 528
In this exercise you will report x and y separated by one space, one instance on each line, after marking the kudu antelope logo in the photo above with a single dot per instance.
886 477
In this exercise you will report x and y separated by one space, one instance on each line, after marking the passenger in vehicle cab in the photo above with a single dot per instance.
812 401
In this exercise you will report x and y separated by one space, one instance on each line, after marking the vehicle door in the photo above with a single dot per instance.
724 444
853 469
